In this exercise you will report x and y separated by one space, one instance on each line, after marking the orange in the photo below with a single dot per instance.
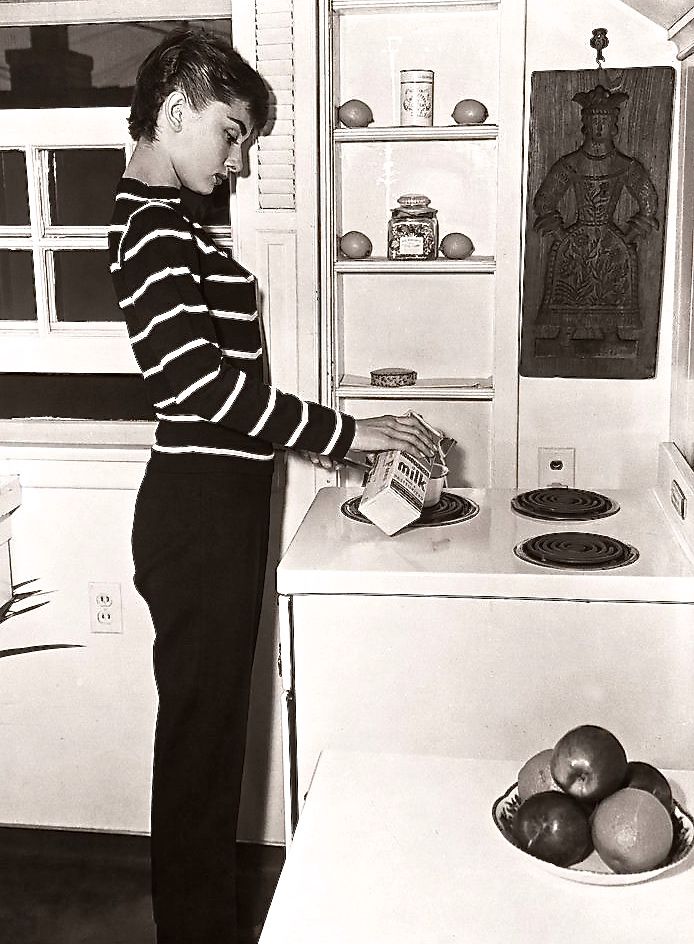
355 114
632 831
356 245
456 246
469 112
535 775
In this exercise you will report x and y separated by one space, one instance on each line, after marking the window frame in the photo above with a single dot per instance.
46 345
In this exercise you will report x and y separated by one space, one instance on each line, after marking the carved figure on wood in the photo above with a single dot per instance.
591 286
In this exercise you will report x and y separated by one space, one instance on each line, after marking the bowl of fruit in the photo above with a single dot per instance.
584 812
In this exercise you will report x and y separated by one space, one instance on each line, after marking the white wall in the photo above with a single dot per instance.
76 724
614 425
682 415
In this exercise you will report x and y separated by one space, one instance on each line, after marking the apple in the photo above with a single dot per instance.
646 777
554 827
589 762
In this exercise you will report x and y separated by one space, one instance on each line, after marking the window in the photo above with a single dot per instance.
64 143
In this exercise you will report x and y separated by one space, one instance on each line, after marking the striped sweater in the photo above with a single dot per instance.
193 324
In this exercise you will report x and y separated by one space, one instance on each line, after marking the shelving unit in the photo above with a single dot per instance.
454 321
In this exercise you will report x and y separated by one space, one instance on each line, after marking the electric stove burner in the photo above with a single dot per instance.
450 509
576 550
563 504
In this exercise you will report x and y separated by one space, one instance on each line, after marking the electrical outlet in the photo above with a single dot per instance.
556 466
105 611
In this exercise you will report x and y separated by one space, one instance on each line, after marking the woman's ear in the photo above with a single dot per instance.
173 109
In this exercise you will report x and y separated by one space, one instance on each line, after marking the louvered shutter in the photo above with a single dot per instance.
274 40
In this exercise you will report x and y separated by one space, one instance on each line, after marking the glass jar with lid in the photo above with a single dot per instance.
413 229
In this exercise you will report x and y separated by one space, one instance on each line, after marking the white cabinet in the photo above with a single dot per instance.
453 321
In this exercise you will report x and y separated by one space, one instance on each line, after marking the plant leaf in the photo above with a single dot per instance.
34 606
4 653
23 583
27 593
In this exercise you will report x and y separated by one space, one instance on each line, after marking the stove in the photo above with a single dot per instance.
563 504
576 549
490 547
450 509
488 638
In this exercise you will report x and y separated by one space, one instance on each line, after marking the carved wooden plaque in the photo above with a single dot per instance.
596 209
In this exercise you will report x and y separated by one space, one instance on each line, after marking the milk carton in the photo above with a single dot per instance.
394 492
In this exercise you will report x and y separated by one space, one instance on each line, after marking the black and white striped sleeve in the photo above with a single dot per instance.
158 284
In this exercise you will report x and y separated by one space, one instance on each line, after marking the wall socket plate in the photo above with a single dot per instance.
105 610
556 466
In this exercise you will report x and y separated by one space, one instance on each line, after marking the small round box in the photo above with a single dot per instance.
393 377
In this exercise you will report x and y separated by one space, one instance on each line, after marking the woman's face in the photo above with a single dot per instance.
210 145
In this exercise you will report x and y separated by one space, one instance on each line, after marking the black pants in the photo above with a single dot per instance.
200 549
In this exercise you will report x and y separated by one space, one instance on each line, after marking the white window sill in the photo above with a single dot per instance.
75 433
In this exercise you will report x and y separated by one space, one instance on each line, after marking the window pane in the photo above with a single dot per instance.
83 290
80 66
82 183
14 196
17 298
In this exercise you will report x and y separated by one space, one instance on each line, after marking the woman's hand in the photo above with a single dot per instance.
394 432
325 462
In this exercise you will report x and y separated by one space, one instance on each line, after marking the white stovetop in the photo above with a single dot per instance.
332 554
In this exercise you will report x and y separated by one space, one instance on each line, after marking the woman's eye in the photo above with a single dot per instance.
231 138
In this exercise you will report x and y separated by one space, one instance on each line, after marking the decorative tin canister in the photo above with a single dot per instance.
416 97
413 230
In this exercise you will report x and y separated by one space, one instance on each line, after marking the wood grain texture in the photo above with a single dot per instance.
591 293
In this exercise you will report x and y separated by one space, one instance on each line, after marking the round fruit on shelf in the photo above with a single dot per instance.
456 246
469 111
355 114
355 245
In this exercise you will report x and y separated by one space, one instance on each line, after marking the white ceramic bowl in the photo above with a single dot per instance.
592 870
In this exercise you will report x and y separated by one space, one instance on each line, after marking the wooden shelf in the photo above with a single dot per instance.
480 132
475 265
389 6
454 388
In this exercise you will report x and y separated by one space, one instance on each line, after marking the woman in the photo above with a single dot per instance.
201 521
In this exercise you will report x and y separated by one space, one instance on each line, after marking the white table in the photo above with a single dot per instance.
402 849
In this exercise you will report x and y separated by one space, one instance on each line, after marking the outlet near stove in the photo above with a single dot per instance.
556 466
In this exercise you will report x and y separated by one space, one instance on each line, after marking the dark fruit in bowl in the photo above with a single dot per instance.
589 762
646 777
554 827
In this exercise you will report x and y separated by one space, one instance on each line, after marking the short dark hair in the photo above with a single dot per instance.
202 65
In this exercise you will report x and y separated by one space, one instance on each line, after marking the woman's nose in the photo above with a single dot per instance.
234 161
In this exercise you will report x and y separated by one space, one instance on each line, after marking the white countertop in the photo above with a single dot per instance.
402 849
331 554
